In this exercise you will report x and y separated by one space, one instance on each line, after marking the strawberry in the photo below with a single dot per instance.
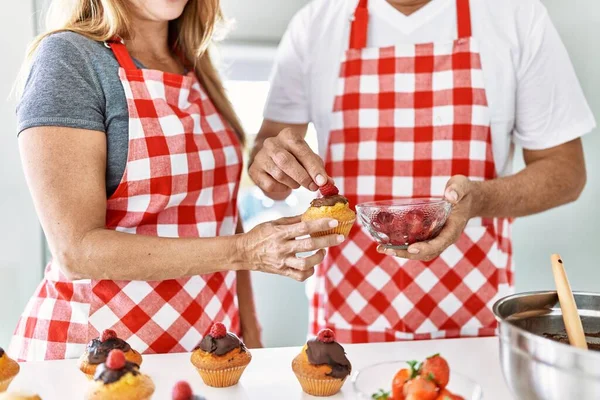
420 388
218 330
383 222
116 359
329 189
326 336
398 383
438 369
182 391
108 334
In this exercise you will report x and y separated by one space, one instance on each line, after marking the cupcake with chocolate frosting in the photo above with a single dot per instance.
221 357
331 205
120 379
97 351
322 366
9 368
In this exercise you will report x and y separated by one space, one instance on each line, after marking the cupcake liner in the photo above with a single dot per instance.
221 378
320 387
4 384
343 228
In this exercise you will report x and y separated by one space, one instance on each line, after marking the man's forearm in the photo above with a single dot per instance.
544 184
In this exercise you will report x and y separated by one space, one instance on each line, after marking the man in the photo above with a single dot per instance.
428 100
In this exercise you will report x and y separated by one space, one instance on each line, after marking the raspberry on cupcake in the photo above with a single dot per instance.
183 391
322 366
9 368
120 379
221 357
331 205
97 351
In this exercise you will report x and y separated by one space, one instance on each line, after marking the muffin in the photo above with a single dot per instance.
322 366
221 357
120 379
19 396
331 205
183 391
98 349
9 368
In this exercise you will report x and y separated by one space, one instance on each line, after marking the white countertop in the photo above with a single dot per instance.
269 375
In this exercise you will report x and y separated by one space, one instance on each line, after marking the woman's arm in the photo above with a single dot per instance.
251 330
65 170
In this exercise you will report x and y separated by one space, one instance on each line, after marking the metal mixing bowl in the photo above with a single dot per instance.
536 368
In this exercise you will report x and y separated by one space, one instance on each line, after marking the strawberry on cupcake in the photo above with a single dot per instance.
183 391
331 205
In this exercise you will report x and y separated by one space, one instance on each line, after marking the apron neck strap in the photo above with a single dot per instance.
360 23
463 18
121 53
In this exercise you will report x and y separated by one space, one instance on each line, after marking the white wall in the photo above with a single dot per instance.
20 234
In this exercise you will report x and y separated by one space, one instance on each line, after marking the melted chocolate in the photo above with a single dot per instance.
332 354
107 375
221 346
328 201
563 338
1 352
98 350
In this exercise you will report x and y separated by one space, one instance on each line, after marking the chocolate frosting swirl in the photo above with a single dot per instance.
98 350
107 375
1 352
221 346
332 354
328 201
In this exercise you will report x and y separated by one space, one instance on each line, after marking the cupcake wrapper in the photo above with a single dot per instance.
343 228
4 384
221 378
320 387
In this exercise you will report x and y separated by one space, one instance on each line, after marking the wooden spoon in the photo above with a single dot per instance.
567 304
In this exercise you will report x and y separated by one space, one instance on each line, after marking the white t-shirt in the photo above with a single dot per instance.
534 95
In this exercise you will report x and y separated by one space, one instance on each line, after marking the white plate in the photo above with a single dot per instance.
379 376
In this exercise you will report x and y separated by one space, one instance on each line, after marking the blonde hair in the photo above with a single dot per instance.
191 34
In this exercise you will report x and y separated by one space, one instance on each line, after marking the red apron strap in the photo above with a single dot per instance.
360 26
463 17
121 54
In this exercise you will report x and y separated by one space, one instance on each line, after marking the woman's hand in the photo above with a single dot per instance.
285 162
272 247
464 196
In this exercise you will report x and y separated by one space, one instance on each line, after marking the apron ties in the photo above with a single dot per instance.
405 120
181 179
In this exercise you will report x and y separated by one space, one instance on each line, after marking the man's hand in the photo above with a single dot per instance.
463 194
286 162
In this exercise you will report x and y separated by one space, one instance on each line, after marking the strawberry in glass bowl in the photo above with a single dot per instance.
396 224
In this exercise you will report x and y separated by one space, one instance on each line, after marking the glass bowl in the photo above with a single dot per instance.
371 379
397 224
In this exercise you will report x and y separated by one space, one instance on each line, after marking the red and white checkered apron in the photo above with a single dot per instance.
406 118
181 180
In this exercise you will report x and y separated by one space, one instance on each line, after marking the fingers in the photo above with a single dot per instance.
287 162
456 188
305 263
300 276
307 227
278 175
267 183
311 162
315 243
288 220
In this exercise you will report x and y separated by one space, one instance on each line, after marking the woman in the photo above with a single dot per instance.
424 98
133 156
